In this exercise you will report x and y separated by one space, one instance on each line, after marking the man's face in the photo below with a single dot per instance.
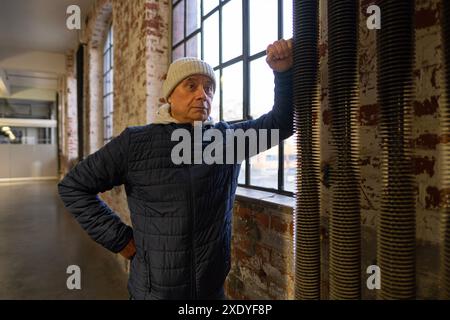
191 100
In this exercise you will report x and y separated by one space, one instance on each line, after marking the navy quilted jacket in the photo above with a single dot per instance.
181 214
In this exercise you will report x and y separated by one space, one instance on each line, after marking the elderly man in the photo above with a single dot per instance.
179 242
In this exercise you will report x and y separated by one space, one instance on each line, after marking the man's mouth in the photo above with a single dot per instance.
199 108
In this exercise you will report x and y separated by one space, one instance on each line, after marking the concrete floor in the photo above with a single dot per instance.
39 239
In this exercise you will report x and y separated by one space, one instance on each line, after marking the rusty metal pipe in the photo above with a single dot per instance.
305 97
345 221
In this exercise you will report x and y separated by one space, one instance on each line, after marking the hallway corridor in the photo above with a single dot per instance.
40 239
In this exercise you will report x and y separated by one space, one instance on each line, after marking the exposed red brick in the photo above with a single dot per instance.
279 225
365 4
323 48
263 252
433 77
154 23
426 17
364 162
243 212
427 107
433 198
368 115
262 219
323 94
427 141
262 275
445 138
326 116
376 162
240 255
151 6
424 165
235 294
323 233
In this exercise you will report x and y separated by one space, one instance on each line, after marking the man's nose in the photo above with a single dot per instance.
201 93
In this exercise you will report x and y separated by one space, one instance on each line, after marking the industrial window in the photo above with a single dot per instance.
108 87
232 36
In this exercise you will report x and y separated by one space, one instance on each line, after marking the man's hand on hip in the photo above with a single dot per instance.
130 250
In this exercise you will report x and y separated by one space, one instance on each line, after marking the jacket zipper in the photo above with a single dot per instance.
192 212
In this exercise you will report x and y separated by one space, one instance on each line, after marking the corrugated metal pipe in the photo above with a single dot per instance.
345 221
307 208
396 223
445 116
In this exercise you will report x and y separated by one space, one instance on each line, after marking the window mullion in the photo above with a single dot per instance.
246 74
281 143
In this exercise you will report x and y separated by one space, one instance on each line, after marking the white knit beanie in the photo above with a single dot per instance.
183 68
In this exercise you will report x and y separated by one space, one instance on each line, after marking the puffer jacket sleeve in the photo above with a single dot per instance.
281 115
79 189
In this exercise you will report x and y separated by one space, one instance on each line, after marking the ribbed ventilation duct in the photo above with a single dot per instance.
307 209
345 222
396 224
445 116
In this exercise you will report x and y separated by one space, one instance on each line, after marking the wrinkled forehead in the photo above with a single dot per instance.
199 78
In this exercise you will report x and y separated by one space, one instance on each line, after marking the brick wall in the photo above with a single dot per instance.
262 261
69 141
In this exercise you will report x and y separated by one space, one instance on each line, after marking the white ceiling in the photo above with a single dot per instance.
31 26
39 24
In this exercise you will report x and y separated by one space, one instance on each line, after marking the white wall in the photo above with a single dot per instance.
37 61
28 161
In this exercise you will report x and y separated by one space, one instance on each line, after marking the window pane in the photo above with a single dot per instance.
193 47
263 24
241 178
105 134
106 81
215 108
208 5
106 65
264 169
111 103
105 107
261 87
232 92
290 164
232 30
193 16
178 23
110 81
178 52
287 19
105 85
111 78
211 39
107 41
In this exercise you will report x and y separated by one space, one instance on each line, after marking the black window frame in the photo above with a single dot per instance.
246 60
